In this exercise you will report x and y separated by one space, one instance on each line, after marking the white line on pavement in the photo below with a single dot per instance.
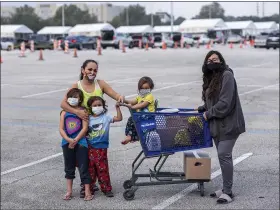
184 192
259 89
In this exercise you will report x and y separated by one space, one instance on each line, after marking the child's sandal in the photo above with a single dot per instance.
67 197
88 197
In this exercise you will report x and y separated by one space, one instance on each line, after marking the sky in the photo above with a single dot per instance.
189 9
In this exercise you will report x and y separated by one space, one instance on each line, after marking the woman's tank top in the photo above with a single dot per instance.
97 92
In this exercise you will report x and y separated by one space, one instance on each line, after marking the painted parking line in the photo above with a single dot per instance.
189 189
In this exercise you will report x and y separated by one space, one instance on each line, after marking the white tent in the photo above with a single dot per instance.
265 27
135 29
54 30
90 29
202 25
15 31
166 29
242 27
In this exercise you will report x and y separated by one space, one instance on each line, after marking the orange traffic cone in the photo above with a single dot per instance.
75 53
1 61
147 47
123 48
99 47
208 46
163 46
176 45
198 45
231 45
241 45
41 55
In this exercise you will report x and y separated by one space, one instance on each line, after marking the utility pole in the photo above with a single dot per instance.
171 19
210 11
127 18
63 18
257 9
263 9
152 19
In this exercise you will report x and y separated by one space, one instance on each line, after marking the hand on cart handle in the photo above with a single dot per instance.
126 105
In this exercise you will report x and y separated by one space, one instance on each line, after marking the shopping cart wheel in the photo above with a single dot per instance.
201 188
129 195
127 184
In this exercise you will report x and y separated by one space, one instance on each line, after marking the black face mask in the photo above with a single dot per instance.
214 66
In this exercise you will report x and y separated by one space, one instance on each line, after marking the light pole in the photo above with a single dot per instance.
63 19
171 19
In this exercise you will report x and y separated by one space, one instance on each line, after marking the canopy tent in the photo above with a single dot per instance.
266 27
54 30
135 29
15 31
202 25
166 29
241 27
90 29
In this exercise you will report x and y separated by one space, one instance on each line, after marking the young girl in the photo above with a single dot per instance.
144 102
74 144
98 139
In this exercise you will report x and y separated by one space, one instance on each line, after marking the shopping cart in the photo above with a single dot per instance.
162 134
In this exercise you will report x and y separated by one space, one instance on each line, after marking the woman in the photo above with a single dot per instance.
223 110
90 86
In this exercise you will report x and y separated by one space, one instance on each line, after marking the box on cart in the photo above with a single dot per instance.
197 165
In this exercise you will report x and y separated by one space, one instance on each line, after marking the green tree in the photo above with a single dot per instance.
26 15
136 16
73 16
213 10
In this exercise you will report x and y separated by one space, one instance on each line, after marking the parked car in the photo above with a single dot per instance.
6 45
260 41
234 38
201 39
144 39
108 38
80 42
273 40
41 42
125 38
159 38
188 40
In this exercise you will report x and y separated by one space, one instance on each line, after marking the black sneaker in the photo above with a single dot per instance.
109 194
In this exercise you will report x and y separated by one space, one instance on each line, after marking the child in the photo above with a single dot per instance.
143 102
98 139
74 144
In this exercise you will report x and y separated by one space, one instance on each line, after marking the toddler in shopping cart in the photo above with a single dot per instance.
144 102
98 142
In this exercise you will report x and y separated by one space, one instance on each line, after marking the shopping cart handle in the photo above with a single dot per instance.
180 109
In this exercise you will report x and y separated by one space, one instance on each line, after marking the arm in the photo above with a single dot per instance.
83 132
226 98
132 102
61 129
108 90
119 117
140 106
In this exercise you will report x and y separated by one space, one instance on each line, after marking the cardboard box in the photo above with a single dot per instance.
197 165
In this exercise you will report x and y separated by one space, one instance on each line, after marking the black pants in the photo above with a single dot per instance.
80 155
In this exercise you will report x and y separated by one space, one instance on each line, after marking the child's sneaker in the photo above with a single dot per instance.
109 194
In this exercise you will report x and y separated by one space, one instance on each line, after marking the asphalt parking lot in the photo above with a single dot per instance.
32 174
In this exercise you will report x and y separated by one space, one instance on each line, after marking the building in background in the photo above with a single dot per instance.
164 17
46 10
7 11
104 12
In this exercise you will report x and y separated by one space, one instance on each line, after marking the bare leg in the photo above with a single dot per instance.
68 195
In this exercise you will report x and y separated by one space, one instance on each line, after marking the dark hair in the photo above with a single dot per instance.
86 62
212 80
96 98
144 80
74 92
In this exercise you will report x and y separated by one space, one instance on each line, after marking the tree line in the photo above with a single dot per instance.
132 15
